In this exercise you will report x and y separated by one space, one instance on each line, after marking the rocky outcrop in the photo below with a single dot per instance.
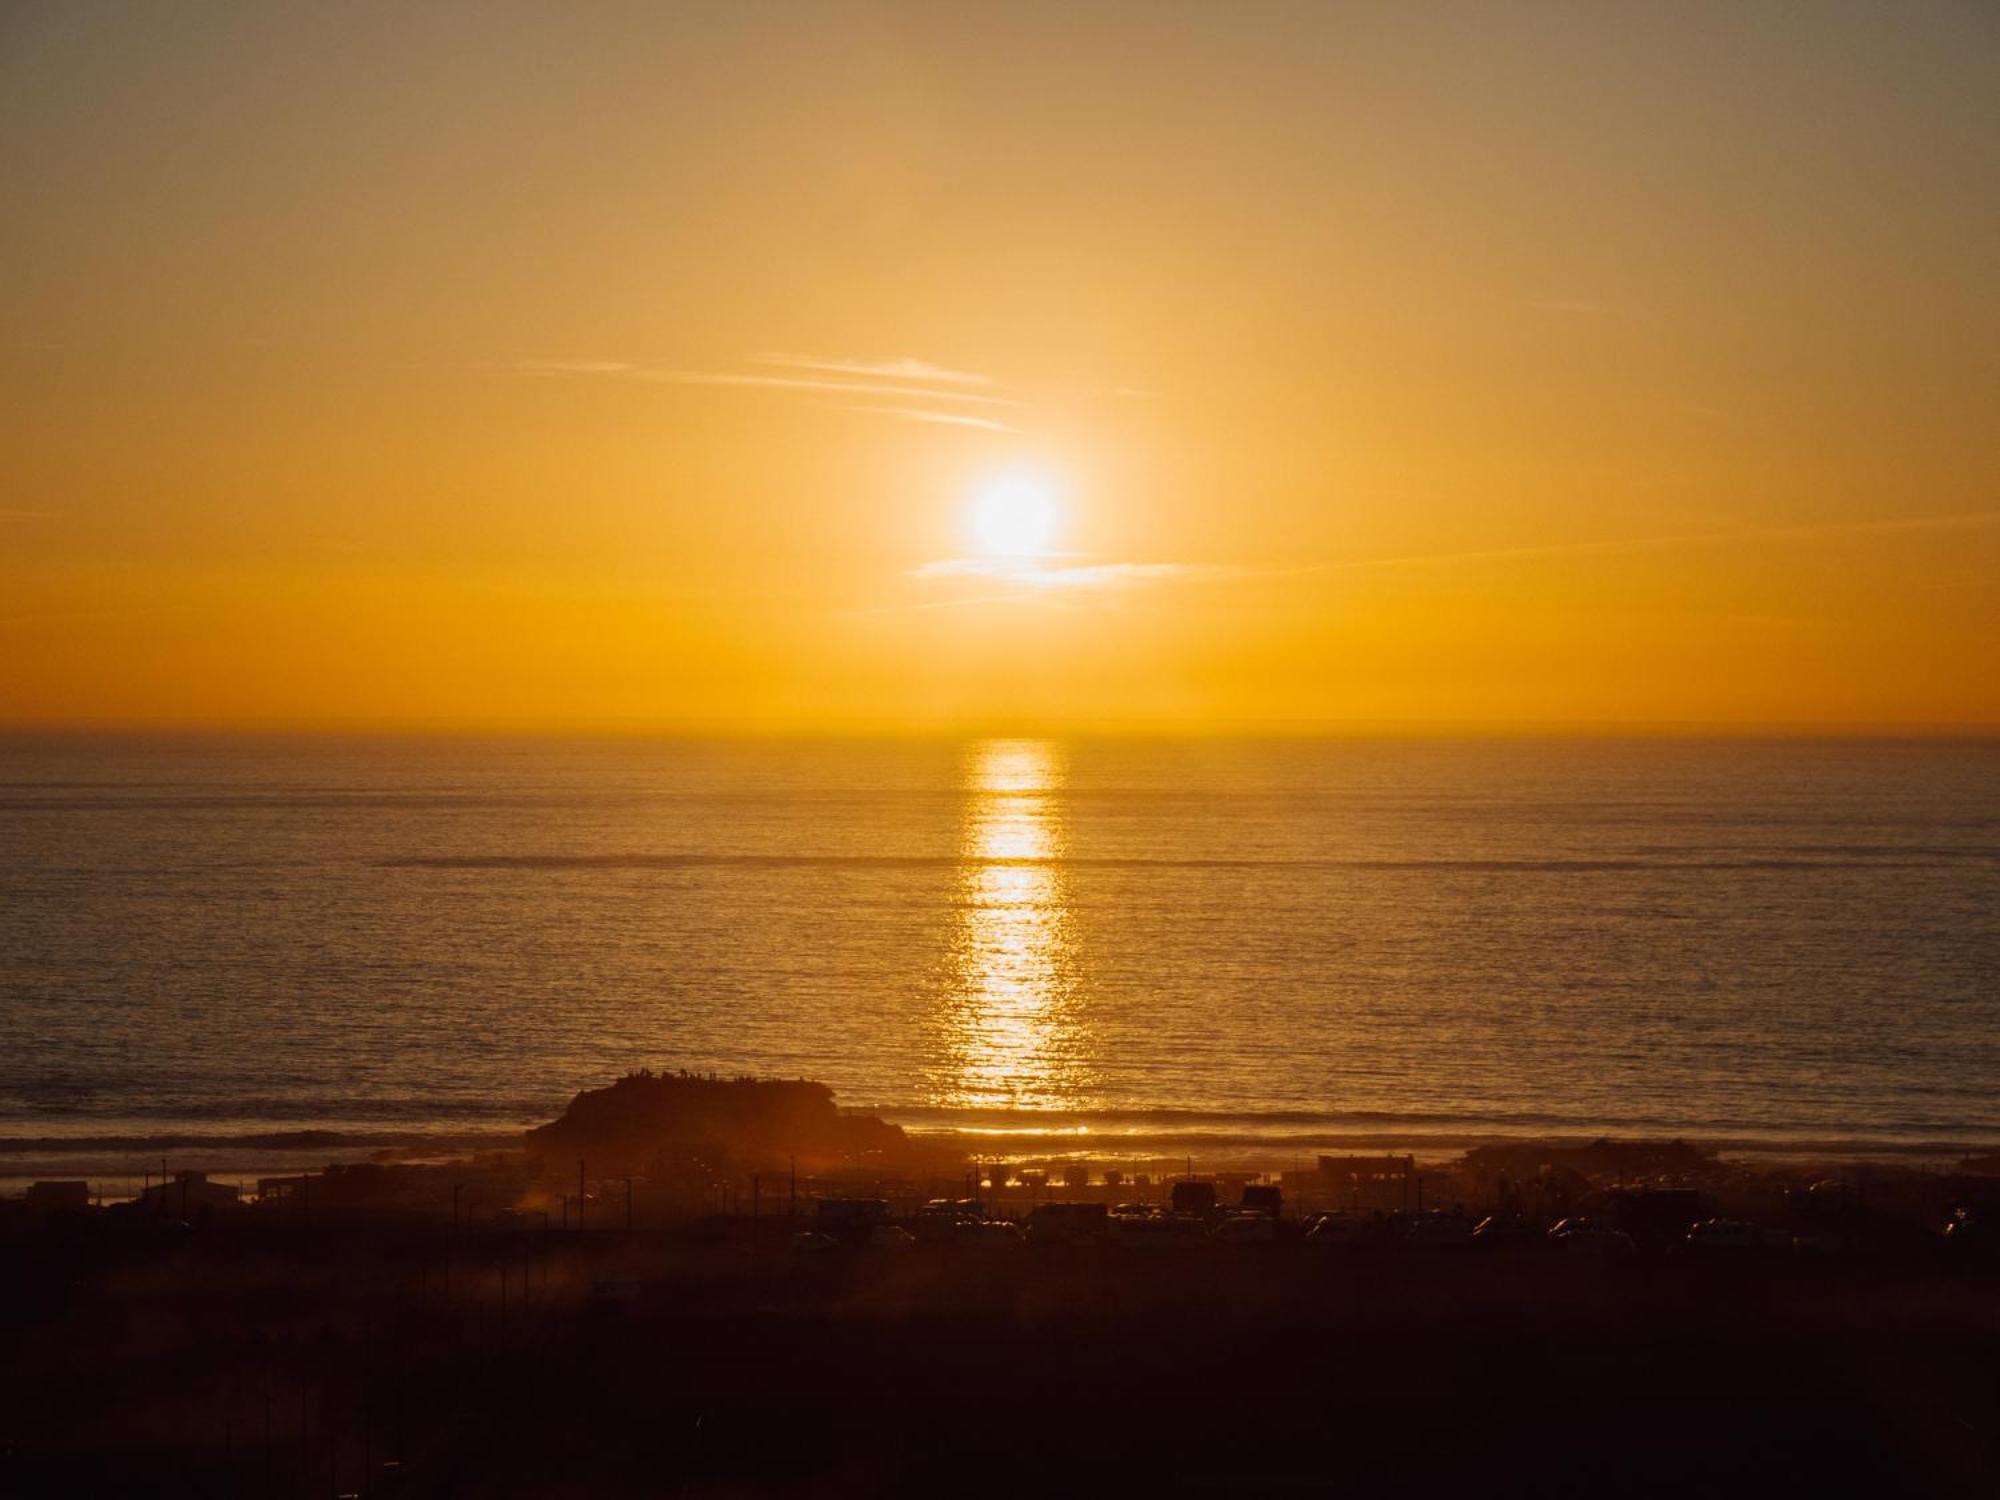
745 1122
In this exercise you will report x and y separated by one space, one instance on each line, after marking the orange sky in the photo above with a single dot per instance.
1426 364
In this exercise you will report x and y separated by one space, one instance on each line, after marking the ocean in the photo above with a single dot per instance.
254 952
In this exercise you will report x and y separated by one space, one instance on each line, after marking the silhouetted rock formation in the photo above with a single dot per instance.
645 1116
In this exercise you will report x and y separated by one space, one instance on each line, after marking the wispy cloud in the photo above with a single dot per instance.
896 380
15 513
1054 576
941 418
916 370
577 367
813 383
1048 582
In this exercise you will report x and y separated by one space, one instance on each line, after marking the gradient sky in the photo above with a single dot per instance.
602 363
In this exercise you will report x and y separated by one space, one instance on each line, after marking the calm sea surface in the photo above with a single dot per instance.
1270 944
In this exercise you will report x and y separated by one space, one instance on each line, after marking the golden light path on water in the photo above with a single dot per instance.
1013 1032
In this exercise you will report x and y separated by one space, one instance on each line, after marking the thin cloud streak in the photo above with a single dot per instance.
1029 578
1030 585
809 383
729 380
919 371
576 367
942 418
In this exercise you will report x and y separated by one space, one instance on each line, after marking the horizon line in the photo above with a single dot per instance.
1053 727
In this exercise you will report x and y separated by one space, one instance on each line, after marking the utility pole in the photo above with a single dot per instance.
579 1195
628 1205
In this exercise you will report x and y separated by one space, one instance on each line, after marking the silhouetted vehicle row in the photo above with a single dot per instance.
966 1223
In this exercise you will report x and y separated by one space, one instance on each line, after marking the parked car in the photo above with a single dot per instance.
990 1234
1443 1230
1508 1231
610 1293
1720 1236
1246 1229
942 1221
1970 1234
1340 1230
1065 1223
1583 1236
1153 1231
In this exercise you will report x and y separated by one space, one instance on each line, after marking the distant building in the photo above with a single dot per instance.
1263 1198
1194 1197
1230 1185
1381 1182
188 1195
57 1197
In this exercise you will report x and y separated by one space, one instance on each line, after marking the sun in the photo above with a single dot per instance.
1014 516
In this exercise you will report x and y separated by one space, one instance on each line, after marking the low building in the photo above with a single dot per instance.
44 1198
1263 1198
1377 1182
188 1195
1192 1197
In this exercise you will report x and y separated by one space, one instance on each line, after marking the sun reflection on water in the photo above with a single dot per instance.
1013 1035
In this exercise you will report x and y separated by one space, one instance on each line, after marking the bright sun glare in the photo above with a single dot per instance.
1013 517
